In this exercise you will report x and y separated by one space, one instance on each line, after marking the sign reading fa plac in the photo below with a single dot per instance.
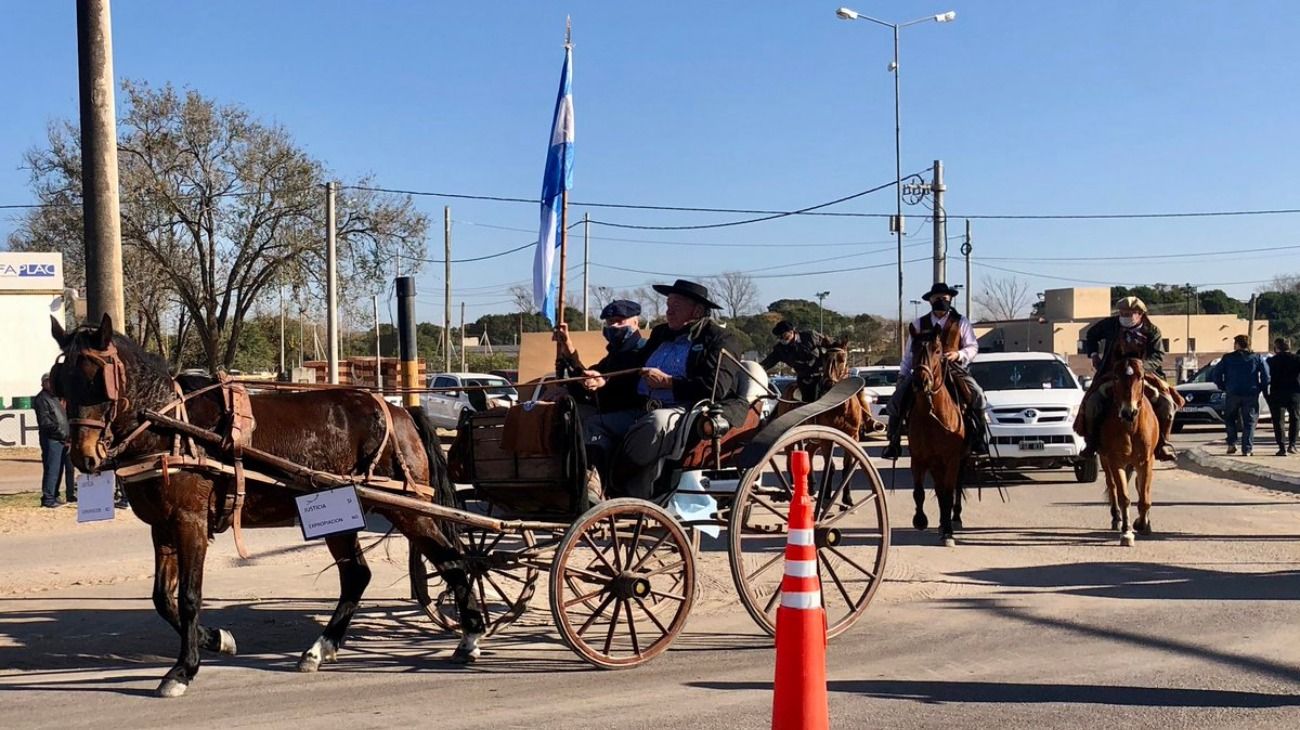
31 271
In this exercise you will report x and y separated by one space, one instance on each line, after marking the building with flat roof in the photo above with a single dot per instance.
1190 340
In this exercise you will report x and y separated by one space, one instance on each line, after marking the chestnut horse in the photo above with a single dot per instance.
108 380
854 416
1128 446
936 440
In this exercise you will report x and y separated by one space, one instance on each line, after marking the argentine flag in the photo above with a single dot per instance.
558 178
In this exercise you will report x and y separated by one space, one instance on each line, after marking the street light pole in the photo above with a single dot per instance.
821 295
850 14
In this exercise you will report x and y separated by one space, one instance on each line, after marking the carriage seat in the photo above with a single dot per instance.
694 452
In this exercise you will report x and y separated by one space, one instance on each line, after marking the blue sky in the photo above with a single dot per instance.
1097 107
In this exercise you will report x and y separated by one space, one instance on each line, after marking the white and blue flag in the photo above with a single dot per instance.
558 178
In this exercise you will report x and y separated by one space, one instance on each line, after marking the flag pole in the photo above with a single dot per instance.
559 303
564 210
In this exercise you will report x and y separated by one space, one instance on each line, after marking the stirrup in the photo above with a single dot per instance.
893 450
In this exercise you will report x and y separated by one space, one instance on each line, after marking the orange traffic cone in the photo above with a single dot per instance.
799 701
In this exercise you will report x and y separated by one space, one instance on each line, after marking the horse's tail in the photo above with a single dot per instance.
443 490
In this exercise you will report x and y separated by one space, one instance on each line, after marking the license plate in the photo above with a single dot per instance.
1032 445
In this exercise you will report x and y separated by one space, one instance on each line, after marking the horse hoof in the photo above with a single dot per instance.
1143 527
1127 539
309 664
227 645
920 521
1114 525
949 541
320 653
172 688
468 651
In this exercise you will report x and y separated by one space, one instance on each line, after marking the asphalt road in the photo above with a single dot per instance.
1037 619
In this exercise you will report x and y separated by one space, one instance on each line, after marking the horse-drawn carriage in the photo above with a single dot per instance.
622 572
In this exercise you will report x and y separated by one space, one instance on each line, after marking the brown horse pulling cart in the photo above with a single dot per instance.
622 572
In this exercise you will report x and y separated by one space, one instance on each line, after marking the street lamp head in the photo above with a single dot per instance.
947 17
846 14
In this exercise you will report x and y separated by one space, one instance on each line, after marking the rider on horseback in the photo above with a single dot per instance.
1129 333
957 339
803 351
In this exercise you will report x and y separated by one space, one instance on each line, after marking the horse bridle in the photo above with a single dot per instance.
114 374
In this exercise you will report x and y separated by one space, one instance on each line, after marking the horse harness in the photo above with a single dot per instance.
949 338
236 432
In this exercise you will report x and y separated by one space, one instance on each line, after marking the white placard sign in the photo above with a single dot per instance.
95 496
329 512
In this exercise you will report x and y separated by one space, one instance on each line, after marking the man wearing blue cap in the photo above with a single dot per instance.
623 339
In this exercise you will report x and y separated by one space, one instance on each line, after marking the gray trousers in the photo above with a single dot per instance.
628 448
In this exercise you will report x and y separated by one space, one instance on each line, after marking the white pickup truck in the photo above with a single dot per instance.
1033 398
444 408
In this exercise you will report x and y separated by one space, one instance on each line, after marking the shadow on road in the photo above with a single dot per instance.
1145 581
1017 693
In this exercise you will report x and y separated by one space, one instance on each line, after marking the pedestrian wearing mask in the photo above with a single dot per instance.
1242 376
622 332
1284 394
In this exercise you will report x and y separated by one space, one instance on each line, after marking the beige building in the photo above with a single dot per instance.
1189 340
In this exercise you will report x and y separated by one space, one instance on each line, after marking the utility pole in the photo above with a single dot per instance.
966 250
1250 331
379 358
331 296
446 289
940 218
821 295
102 222
586 262
282 346
462 337
407 354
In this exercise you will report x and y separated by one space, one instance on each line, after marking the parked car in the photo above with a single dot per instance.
1033 398
1205 402
880 383
445 408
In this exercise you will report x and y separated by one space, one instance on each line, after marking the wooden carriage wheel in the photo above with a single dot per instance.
622 583
500 587
851 529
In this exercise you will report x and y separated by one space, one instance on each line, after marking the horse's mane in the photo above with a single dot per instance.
148 377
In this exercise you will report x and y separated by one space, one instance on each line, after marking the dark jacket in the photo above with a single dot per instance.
1102 337
1284 374
708 340
619 394
1241 373
51 419
803 356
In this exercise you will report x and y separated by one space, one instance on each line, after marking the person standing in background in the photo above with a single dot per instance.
1242 375
1284 394
52 427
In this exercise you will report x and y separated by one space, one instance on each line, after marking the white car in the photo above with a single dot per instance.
880 383
445 408
1033 398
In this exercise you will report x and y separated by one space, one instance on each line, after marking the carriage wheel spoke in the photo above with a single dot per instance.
771 602
634 542
822 522
765 567
596 614
650 553
823 487
483 604
586 537
511 576
505 598
631 627
591 577
668 596
487 549
847 476
613 626
789 490
664 569
582 599
653 618
756 500
848 560
613 538
836 579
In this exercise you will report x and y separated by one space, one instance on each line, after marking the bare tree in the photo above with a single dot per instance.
1003 298
651 301
217 209
737 292
522 296
1285 283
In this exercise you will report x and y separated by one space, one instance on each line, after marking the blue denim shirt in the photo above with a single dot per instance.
669 357
1241 373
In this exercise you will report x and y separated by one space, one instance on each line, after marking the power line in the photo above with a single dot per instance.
703 244
1186 254
1126 216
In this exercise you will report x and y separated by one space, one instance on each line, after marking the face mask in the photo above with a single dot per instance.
940 305
1128 321
614 335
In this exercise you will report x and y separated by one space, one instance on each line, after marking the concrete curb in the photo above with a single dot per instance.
1198 459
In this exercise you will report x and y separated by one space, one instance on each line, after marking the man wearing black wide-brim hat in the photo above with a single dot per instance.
803 351
957 338
680 365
